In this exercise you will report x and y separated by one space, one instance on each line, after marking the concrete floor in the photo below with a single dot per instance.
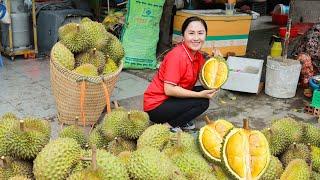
25 90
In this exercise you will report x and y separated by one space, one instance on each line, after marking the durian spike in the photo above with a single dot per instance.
94 157
208 121
246 124
22 126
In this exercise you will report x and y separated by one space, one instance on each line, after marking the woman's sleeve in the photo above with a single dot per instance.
172 69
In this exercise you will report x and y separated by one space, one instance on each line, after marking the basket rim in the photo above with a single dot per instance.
78 77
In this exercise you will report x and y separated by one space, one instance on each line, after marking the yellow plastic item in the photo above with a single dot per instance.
276 49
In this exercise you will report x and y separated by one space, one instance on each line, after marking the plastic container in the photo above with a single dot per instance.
282 77
315 99
244 74
229 8
293 32
279 19
281 9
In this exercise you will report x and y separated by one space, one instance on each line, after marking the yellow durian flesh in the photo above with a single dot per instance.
211 138
246 153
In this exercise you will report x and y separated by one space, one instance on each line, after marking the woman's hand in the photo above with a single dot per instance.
208 93
216 52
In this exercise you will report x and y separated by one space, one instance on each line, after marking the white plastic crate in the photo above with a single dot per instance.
244 74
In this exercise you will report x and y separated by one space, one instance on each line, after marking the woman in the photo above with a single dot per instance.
171 96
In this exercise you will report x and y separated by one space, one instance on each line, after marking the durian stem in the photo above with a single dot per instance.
94 51
76 121
94 157
22 127
179 138
269 129
116 104
3 161
206 118
129 115
309 160
294 145
246 124
78 28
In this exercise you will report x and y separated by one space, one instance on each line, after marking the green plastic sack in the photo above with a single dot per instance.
140 34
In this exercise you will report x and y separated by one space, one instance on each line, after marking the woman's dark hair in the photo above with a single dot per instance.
191 19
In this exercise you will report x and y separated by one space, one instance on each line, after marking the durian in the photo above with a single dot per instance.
297 169
96 138
92 56
11 168
110 67
210 138
113 48
311 134
135 124
74 132
8 115
187 142
76 37
111 125
103 166
315 158
98 34
120 144
155 136
295 151
27 142
56 159
63 56
245 153
87 70
150 164
274 170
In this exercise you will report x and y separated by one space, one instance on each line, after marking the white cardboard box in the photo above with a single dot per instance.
244 74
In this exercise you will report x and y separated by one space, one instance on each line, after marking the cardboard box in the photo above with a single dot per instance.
244 74
228 33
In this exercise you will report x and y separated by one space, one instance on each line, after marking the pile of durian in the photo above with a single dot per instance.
126 146
295 147
287 150
87 49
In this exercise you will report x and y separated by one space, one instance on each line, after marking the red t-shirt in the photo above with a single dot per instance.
180 68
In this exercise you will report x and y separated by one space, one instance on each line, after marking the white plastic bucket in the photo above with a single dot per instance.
282 78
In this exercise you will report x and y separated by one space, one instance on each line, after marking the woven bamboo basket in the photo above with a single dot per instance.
80 96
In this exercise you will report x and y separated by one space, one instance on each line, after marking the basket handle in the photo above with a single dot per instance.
107 95
82 97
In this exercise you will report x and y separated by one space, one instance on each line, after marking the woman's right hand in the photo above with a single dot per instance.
208 93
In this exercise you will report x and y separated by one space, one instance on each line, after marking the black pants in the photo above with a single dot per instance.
179 111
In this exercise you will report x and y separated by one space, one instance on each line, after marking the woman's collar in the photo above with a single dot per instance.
193 56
